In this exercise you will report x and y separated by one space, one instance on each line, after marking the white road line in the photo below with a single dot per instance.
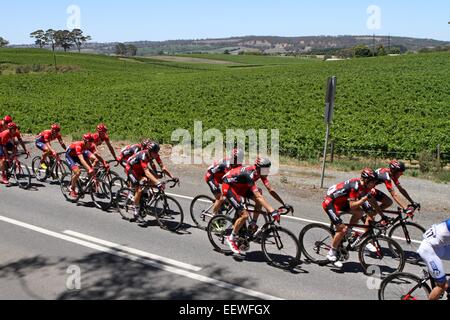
133 251
154 264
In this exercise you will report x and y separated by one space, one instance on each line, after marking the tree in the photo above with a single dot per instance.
79 38
3 42
50 38
381 51
41 39
395 51
121 49
226 52
361 51
63 38
131 50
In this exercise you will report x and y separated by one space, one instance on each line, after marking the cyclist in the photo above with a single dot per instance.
43 143
7 144
434 248
240 183
348 196
390 177
102 131
4 123
78 154
215 174
129 151
138 172
93 154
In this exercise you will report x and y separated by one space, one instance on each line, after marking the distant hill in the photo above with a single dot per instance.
268 44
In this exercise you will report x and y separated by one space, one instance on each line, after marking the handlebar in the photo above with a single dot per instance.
174 183
285 211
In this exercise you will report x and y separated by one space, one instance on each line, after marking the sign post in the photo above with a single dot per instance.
329 111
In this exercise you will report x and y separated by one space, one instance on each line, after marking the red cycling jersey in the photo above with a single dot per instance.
341 193
242 180
129 151
218 170
3 126
77 148
139 162
47 136
6 137
103 138
385 176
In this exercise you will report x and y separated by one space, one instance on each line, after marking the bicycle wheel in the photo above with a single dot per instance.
125 203
280 247
218 229
110 176
381 255
61 168
315 242
168 213
22 176
65 183
409 244
201 211
403 286
39 173
101 195
115 186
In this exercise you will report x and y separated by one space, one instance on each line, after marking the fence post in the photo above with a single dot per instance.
439 152
332 151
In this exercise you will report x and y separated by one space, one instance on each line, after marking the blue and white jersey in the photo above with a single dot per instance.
438 235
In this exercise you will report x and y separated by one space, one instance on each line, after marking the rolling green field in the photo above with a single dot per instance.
386 103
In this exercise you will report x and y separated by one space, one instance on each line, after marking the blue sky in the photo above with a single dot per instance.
133 20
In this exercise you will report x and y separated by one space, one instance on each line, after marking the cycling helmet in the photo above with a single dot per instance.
101 128
263 163
7 119
146 144
88 138
369 175
153 147
397 166
12 126
237 155
56 128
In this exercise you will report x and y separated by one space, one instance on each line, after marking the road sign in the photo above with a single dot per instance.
330 98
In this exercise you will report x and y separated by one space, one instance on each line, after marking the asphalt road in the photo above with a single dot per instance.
47 241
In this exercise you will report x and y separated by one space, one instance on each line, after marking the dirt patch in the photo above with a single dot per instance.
191 60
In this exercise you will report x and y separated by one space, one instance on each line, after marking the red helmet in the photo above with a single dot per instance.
7 119
96 137
369 174
101 128
12 126
397 166
56 128
88 137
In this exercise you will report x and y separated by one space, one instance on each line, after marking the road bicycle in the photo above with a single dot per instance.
376 252
154 203
202 210
91 185
279 246
18 171
56 168
406 233
407 286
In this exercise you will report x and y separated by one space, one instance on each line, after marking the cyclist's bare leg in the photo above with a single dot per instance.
240 222
137 196
45 155
257 212
438 291
218 203
341 230
75 176
386 203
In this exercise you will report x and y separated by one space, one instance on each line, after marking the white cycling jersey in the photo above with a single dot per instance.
435 248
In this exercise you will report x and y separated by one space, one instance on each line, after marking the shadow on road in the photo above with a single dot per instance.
108 277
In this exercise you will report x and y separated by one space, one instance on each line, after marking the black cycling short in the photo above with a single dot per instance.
380 196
